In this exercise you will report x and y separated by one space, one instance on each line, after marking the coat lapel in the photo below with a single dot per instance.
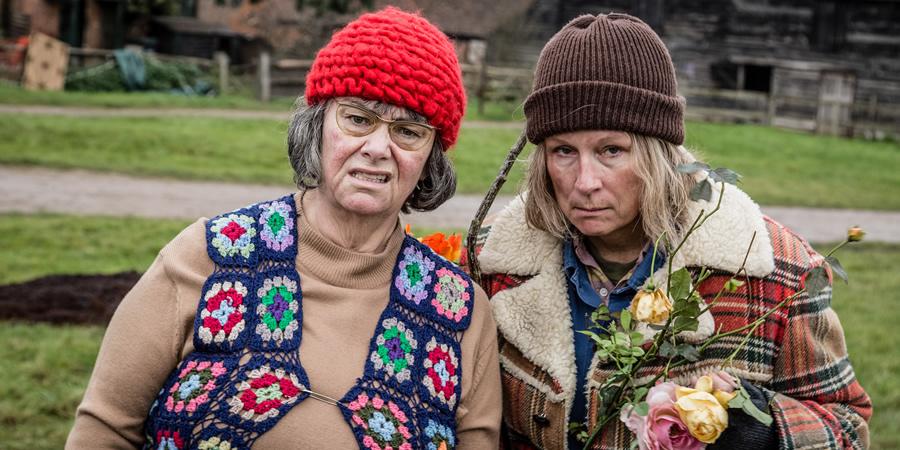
535 316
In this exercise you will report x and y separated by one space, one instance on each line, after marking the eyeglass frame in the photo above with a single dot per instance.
378 120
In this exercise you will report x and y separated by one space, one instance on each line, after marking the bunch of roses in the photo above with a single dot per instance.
683 418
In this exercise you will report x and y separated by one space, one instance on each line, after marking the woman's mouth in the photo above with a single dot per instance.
370 177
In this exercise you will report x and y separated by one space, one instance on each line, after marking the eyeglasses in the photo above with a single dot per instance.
356 121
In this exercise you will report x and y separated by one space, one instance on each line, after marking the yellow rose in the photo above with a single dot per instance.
702 414
855 234
651 307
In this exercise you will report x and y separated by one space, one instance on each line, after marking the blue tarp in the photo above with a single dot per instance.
131 64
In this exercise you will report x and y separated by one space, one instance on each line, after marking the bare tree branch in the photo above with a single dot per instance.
472 238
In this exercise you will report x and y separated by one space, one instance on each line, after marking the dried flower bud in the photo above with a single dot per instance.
855 234
651 307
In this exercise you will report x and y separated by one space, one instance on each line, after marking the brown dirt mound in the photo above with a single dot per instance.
66 299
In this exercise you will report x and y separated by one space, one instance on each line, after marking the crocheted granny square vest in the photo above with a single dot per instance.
252 310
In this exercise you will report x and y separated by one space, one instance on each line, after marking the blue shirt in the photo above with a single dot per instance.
583 300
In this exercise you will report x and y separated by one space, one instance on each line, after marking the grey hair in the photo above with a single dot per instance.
664 191
304 147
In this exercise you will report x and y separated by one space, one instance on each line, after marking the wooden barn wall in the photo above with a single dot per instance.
798 39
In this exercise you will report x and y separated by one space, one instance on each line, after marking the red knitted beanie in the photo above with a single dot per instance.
605 72
397 58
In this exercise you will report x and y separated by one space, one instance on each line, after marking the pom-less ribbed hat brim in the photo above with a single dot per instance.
601 105
605 72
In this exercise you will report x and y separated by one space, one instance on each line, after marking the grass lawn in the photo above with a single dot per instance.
779 168
47 367
12 95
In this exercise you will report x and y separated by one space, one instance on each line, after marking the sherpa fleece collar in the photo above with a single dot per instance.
535 316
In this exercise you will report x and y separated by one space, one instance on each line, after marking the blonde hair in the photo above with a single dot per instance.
664 192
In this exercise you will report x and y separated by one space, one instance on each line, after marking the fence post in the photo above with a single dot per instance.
223 61
265 80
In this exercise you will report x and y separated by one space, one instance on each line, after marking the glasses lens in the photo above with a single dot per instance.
409 135
359 122
355 121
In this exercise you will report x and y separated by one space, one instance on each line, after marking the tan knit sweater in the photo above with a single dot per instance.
344 294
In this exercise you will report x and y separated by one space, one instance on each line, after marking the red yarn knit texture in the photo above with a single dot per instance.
397 58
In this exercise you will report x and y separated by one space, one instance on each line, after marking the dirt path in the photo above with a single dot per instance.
33 189
28 189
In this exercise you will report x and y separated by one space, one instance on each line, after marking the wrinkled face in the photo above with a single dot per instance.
368 175
592 173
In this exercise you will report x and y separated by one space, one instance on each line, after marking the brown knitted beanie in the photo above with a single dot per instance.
605 72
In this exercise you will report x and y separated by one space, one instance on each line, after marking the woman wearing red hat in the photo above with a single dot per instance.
603 186
313 320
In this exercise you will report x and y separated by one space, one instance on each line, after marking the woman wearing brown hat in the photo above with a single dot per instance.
313 321
602 186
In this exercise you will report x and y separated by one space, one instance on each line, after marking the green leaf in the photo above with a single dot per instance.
836 267
667 350
724 175
640 392
755 413
701 191
625 320
742 401
680 284
688 352
733 285
642 409
636 337
816 280
634 444
738 401
693 167
686 324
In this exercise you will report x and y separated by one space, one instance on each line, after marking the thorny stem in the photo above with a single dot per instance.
472 237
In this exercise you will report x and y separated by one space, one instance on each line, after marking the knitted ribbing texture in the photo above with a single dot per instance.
397 58
605 72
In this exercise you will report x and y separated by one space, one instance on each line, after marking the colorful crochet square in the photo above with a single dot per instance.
278 309
383 423
440 437
442 376
194 383
168 440
234 235
214 443
223 315
414 274
451 295
264 393
277 225
394 353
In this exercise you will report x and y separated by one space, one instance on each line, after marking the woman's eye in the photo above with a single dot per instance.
407 132
613 150
563 150
360 120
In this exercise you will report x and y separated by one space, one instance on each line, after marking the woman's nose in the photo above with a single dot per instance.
378 142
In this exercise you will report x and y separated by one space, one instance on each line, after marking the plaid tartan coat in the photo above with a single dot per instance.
798 357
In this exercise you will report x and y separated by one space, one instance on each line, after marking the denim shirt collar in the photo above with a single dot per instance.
577 276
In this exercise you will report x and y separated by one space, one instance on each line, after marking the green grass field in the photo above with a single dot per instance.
46 368
778 167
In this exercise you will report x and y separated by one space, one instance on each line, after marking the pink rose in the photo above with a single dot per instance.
721 380
664 430
635 423
662 393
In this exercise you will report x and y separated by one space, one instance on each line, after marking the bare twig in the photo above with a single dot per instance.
472 238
